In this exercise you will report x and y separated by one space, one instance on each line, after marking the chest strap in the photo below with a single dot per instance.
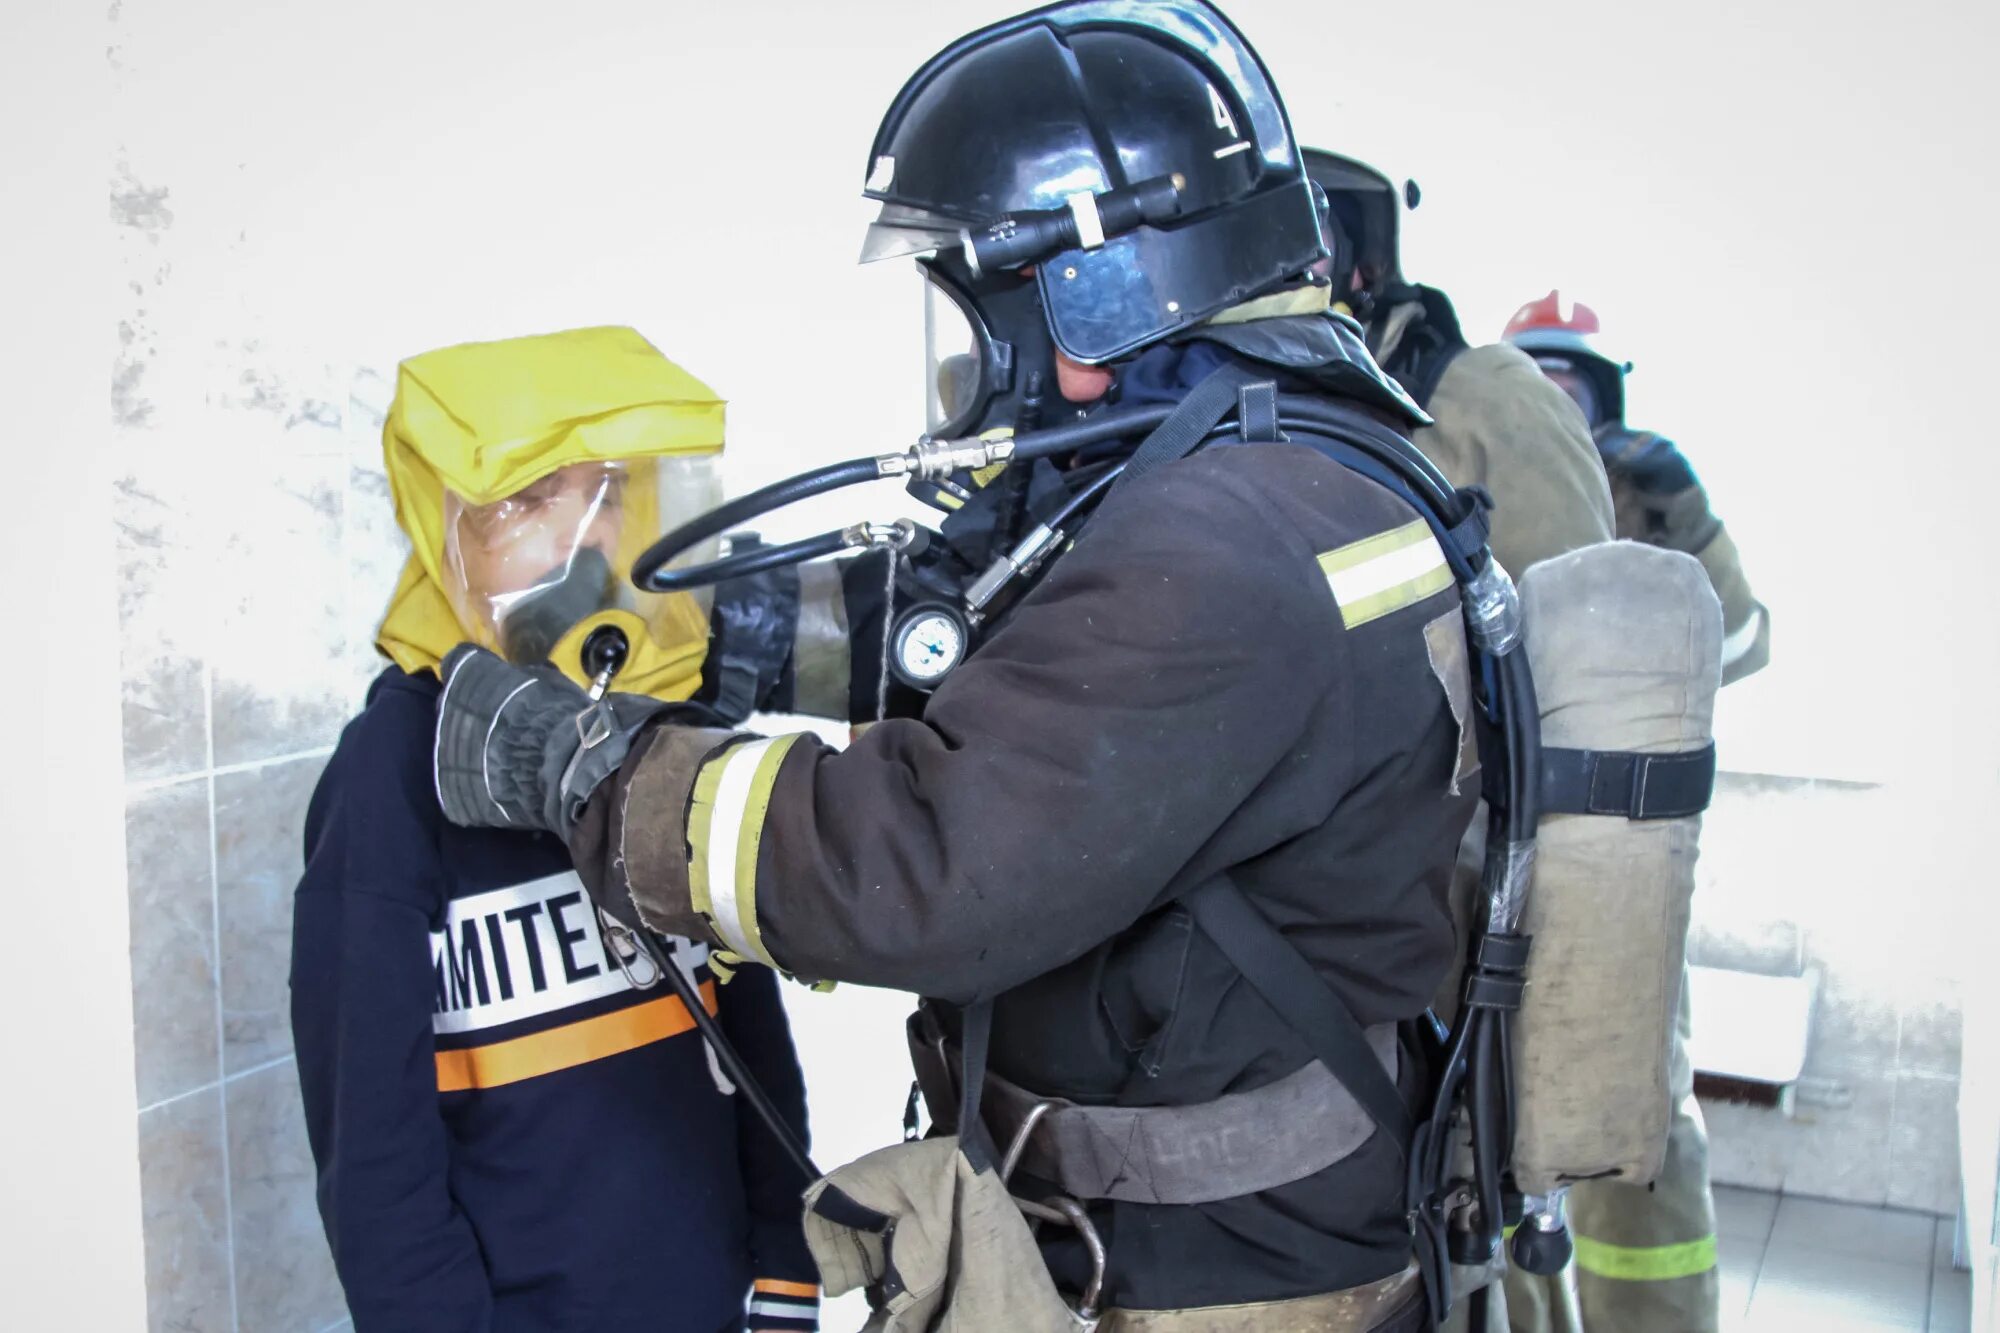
1240 1143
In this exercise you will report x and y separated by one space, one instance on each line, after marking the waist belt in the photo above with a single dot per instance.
1240 1143
1393 1305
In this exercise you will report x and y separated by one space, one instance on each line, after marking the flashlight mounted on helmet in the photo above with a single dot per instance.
1085 222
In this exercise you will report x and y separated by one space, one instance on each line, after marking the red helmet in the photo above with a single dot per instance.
1562 345
1542 323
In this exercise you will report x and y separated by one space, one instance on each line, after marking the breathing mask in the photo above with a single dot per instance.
529 474
1578 382
989 363
533 571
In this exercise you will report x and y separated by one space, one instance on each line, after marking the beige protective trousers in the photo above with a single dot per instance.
1645 1258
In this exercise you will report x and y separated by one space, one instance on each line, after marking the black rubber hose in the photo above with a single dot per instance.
1084 499
728 1057
1378 441
1297 412
1484 1114
753 561
1449 1082
1090 430
647 569
1521 727
1391 462
735 513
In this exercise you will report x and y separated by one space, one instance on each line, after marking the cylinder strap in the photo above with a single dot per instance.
1621 782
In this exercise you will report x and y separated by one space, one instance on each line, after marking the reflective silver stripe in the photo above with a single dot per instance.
732 799
1742 639
1385 572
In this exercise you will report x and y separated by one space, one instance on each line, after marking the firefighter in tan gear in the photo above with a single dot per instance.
1497 422
1655 494
1231 721
1646 1257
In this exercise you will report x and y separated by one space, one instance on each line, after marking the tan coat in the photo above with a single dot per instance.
1504 425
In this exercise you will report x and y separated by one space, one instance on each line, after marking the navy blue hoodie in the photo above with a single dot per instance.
511 1136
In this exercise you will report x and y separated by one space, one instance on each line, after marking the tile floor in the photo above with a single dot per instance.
1796 1263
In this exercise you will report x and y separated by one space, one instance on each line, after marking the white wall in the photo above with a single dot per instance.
1780 209
69 1176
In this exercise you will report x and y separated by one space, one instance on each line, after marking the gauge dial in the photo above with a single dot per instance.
928 642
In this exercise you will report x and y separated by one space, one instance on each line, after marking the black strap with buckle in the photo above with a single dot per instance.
1622 782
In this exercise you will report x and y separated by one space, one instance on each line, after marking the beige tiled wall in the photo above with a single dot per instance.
1835 877
255 550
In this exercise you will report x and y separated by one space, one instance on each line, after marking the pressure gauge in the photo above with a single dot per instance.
929 640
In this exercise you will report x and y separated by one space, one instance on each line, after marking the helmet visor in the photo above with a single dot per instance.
899 231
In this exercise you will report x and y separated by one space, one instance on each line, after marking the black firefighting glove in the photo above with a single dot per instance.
1652 463
523 747
1658 497
754 624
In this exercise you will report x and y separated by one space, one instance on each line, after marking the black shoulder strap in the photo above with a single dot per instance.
1197 414
1622 782
1469 534
975 1030
1301 997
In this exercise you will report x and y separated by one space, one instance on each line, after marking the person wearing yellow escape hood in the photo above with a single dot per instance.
516 1127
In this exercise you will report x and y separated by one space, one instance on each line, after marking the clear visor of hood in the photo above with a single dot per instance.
1576 382
956 362
899 231
523 570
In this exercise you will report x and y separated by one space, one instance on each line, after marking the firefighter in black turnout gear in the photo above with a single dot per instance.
1203 774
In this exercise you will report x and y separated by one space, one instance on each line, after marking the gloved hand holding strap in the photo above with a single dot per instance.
523 748
514 776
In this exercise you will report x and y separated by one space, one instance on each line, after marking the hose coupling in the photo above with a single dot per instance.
897 536
933 460
1026 556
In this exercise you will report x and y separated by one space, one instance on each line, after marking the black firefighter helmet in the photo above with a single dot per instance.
1365 212
1087 178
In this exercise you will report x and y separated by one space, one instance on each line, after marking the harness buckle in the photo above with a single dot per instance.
1063 1210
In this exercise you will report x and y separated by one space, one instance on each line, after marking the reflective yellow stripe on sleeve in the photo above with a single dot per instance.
732 794
1645 1263
1386 572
